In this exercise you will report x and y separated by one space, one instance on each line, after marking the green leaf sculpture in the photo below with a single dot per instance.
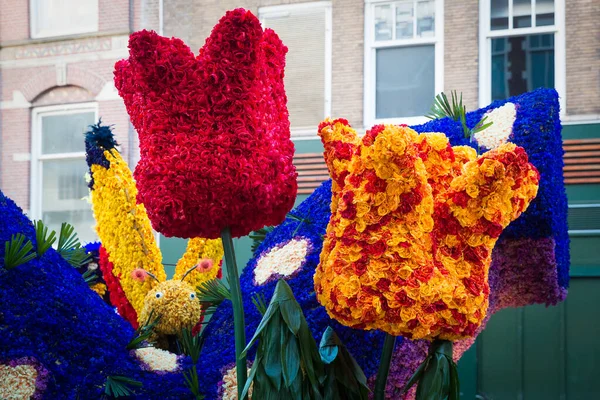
345 380
437 376
287 363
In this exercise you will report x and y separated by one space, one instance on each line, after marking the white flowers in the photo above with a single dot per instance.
499 132
17 383
282 260
157 359
229 386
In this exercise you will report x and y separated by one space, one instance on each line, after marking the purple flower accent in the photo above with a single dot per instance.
408 355
524 272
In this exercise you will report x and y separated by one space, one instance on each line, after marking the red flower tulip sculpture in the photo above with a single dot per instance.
214 129
216 154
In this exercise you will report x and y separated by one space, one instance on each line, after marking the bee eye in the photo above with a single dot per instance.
159 295
192 296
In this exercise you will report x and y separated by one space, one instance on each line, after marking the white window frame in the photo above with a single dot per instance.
37 157
371 47
486 34
67 29
285 9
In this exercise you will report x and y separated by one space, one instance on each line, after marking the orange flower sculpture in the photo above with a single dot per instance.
414 221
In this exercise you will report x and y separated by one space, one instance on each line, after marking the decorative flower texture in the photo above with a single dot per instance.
502 119
228 389
130 260
176 303
409 242
75 340
214 129
157 360
23 378
199 250
282 261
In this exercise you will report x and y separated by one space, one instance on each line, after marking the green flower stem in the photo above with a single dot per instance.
384 366
238 309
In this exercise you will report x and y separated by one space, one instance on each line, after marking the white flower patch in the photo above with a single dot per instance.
157 359
499 132
282 260
229 385
17 383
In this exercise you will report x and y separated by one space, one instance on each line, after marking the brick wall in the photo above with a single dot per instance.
113 15
583 57
461 41
347 61
15 144
58 71
14 20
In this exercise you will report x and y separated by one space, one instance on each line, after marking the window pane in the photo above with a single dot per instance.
404 20
426 18
303 31
499 14
63 187
405 81
544 10
383 22
64 133
63 17
521 13
521 64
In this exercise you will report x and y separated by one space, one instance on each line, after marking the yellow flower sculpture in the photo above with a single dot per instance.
133 255
413 224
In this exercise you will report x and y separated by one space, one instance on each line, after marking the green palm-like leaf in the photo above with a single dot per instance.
90 277
481 125
258 236
44 241
143 333
17 251
260 302
455 109
70 248
191 345
119 386
213 292
192 382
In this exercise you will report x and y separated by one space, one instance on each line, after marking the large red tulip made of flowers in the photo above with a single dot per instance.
214 129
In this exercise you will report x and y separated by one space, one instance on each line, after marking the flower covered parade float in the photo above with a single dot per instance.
372 287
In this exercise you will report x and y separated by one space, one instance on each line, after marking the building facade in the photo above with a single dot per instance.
56 63
369 61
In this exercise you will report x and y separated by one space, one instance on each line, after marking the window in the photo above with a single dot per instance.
58 185
306 30
522 47
403 59
63 17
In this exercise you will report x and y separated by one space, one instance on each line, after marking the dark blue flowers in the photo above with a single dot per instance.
49 313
